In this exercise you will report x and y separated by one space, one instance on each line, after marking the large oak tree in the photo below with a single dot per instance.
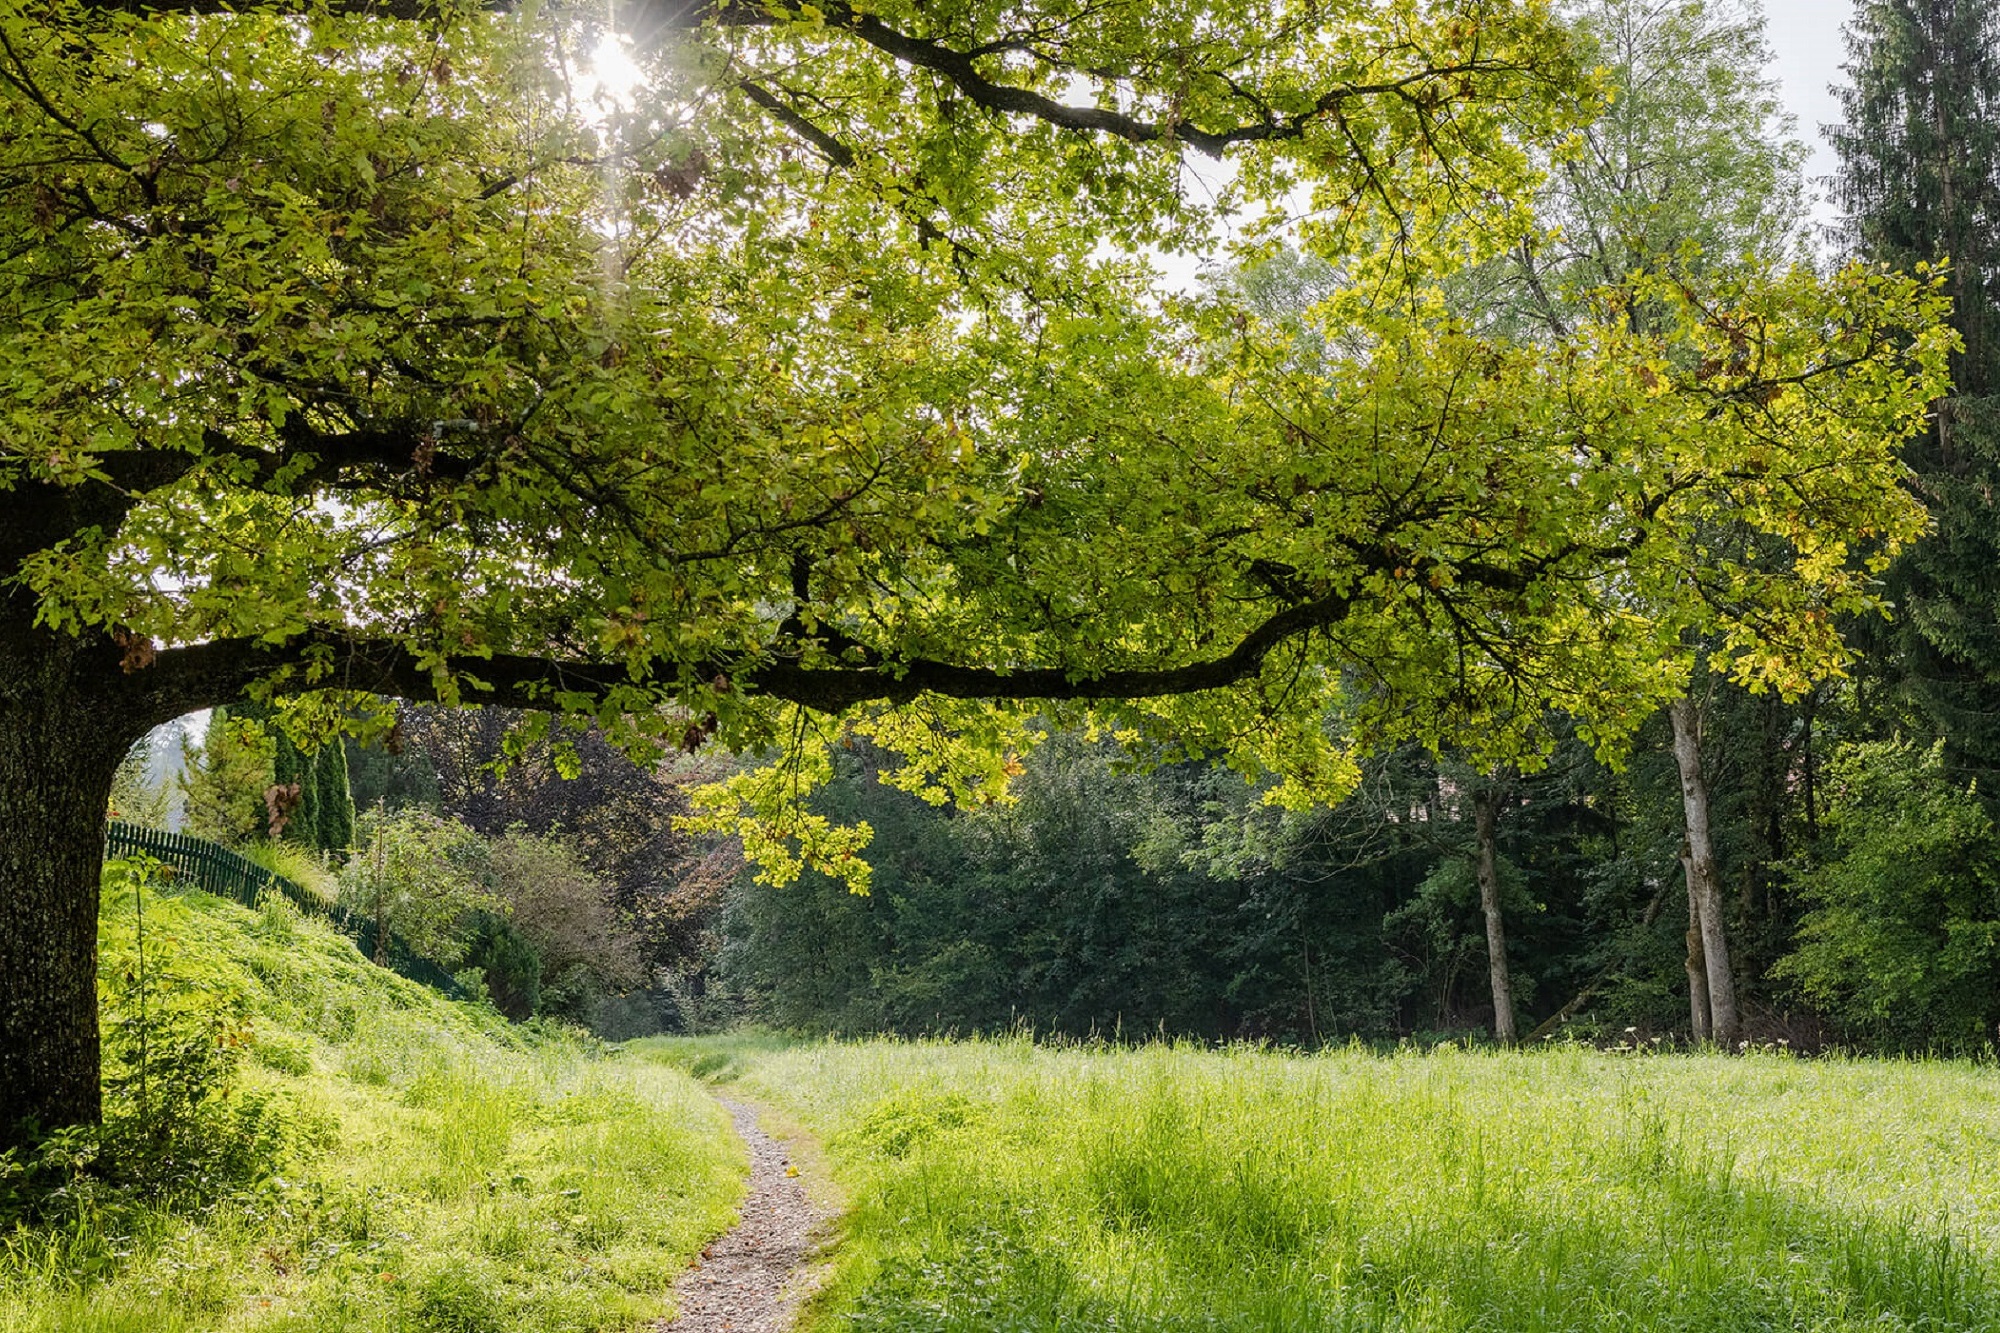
382 349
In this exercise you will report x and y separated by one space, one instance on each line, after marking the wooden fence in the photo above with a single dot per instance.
196 863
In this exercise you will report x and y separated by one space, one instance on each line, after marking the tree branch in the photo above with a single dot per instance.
652 17
832 149
179 680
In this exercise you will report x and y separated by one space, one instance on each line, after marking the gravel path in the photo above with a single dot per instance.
751 1279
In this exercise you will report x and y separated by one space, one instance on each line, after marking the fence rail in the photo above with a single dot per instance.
209 866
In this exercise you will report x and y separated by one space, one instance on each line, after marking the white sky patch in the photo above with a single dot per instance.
1807 54
1203 179
610 80
611 65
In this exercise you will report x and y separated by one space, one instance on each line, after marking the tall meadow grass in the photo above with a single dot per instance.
1002 1186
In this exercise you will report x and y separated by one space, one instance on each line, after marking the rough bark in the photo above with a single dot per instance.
59 748
1704 892
1485 815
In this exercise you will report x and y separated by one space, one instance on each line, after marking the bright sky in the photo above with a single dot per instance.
1805 37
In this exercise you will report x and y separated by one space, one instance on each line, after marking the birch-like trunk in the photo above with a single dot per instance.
1485 813
1704 892
1697 968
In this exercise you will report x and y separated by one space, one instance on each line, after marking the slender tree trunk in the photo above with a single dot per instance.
59 748
1697 967
1485 815
381 901
1808 778
1704 893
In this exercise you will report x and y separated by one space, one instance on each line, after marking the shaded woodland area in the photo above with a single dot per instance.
1114 900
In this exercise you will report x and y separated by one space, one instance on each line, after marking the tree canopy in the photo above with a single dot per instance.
362 356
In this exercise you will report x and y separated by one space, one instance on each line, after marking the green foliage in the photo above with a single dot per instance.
134 797
292 770
556 908
1102 901
335 828
322 817
1901 941
417 876
1693 168
1438 939
1553 1191
510 971
381 776
226 778
1920 180
917 434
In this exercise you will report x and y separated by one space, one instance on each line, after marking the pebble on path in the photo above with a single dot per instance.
751 1279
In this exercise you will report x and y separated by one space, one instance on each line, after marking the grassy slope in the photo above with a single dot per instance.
1001 1187
455 1176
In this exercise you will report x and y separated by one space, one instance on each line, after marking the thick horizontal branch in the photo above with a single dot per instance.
386 449
175 681
963 71
838 687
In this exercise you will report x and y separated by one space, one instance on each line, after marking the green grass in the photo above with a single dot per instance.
999 1186
304 868
441 1172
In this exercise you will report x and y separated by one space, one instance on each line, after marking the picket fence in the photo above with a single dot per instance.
196 863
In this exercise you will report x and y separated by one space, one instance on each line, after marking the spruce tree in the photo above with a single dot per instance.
1920 182
292 766
334 827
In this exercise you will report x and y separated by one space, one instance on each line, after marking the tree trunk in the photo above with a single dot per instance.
381 901
59 748
1697 967
1704 893
1485 813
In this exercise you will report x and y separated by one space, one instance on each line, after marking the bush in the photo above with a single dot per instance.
511 972
562 915
1902 941
420 877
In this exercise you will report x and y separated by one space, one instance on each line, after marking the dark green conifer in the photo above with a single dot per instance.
1920 182
335 813
290 765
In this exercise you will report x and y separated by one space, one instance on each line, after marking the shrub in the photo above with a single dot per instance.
417 876
1902 941
565 917
511 971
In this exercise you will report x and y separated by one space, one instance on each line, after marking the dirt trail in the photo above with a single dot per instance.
752 1278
